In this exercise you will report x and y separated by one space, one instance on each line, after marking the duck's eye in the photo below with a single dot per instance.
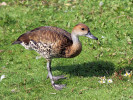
82 29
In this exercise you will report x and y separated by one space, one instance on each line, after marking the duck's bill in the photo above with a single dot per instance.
89 35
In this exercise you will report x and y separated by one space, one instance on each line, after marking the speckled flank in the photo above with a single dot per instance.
24 45
43 49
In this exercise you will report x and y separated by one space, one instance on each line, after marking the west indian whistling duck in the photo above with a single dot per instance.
52 42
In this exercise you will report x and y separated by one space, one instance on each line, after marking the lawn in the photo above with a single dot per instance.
111 56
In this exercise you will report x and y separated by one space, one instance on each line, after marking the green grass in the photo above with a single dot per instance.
26 76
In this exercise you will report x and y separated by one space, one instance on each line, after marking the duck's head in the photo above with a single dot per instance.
83 30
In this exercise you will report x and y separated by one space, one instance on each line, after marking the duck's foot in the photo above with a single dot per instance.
59 86
55 78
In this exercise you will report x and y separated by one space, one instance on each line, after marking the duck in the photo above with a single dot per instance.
53 42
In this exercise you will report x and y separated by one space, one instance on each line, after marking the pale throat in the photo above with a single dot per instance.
76 43
75 39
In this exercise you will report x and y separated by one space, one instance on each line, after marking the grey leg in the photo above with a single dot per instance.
49 71
56 86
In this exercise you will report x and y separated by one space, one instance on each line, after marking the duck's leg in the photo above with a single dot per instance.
56 86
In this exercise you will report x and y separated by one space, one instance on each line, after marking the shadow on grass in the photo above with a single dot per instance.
96 68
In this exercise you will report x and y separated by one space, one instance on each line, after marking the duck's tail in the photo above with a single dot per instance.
16 42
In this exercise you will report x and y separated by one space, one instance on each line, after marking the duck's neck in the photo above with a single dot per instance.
76 47
76 43
75 39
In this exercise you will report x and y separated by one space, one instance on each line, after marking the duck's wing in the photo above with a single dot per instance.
58 38
46 34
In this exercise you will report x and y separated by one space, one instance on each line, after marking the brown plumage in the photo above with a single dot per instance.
52 42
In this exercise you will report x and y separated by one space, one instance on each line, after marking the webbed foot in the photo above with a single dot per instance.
59 86
55 78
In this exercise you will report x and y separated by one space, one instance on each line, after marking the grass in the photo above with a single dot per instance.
110 55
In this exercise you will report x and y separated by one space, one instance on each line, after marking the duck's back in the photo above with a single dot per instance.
48 41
